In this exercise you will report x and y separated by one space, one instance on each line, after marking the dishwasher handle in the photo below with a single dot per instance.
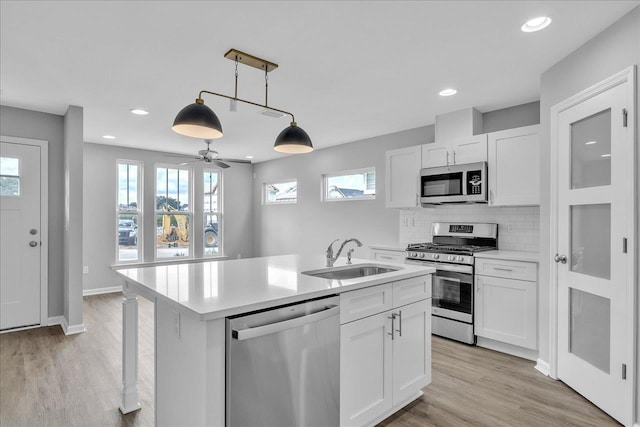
271 328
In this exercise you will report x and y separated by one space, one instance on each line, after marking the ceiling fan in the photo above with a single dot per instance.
210 156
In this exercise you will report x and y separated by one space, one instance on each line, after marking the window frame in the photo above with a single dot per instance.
265 199
138 211
325 187
189 213
218 213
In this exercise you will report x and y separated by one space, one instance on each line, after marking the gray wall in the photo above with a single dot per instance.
72 241
49 127
611 51
310 225
511 117
100 204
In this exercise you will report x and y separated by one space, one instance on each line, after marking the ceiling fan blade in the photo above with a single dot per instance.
237 161
219 163
178 155
188 163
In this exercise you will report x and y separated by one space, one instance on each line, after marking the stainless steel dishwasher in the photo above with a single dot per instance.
283 366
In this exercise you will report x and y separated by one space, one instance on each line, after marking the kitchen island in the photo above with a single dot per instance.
191 302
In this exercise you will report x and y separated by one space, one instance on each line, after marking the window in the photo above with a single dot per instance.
128 212
281 192
9 176
173 214
212 213
350 185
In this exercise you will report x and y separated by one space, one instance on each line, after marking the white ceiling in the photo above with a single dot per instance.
348 70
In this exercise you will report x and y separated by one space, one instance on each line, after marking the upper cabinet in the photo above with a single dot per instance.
514 167
401 179
468 150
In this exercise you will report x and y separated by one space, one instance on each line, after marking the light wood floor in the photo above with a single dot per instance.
48 379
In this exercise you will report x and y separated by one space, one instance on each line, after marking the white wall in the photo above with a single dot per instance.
100 209
48 127
611 51
310 225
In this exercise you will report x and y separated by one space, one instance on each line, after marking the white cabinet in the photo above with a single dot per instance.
514 167
401 180
386 254
385 357
467 150
506 302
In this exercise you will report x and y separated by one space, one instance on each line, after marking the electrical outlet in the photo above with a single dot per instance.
85 269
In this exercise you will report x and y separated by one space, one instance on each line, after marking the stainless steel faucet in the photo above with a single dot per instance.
330 258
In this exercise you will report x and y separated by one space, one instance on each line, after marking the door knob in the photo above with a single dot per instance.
33 243
560 258
33 231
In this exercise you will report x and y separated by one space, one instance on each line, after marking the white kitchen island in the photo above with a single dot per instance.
191 302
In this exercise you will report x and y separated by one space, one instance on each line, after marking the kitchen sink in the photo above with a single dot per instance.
350 272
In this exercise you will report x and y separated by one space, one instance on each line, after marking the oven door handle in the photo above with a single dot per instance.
456 268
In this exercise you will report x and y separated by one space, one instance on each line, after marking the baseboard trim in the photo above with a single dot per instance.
511 349
544 367
100 291
55 320
71 329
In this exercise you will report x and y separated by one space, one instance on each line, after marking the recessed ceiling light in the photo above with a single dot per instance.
447 92
108 137
139 112
605 155
536 24
248 157
590 142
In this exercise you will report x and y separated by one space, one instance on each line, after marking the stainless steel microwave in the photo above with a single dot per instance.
465 183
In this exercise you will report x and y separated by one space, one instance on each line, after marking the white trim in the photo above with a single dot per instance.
628 76
44 219
71 329
543 367
55 320
503 347
100 291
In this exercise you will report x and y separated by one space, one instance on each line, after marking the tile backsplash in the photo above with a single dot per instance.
518 227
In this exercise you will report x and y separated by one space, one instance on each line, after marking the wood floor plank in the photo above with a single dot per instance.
49 379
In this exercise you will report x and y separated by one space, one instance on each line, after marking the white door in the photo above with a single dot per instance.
20 239
594 319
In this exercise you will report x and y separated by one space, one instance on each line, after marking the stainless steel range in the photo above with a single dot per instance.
452 254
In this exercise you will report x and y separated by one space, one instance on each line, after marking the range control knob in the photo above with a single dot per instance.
435 256
451 258
413 254
422 255
460 258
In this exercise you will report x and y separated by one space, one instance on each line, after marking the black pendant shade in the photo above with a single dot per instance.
293 140
198 121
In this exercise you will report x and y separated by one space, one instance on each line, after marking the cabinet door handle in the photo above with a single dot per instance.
447 158
502 269
454 157
392 317
491 196
400 323
417 199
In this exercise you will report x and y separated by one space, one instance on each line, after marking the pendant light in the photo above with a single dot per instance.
199 121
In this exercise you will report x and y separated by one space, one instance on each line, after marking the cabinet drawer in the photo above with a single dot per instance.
365 302
388 255
507 269
411 290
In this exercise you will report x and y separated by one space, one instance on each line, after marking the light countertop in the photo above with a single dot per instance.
510 255
389 248
216 289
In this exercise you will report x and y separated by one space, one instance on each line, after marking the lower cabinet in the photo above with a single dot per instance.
506 302
385 362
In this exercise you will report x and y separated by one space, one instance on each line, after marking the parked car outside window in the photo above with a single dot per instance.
127 233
